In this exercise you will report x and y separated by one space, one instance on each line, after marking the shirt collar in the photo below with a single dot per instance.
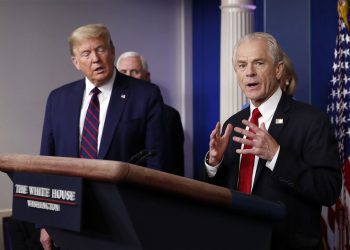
268 108
105 88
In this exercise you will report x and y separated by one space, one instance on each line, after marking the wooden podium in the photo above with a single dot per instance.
126 206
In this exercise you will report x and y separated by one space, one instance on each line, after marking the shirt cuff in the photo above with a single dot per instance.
271 164
211 170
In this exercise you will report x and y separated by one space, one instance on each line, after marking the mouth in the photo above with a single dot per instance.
252 84
99 70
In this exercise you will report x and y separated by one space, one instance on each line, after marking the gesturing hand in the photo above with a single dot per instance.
218 144
45 239
262 144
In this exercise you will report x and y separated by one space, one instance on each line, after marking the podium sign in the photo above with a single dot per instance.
48 200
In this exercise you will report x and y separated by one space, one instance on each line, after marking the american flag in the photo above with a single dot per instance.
336 218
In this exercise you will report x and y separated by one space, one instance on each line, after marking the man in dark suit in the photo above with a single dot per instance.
129 113
133 64
293 154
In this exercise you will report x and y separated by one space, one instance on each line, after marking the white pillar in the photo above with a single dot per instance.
237 19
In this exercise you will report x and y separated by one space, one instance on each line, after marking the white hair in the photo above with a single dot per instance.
133 54
274 49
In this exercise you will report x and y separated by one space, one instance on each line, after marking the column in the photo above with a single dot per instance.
237 19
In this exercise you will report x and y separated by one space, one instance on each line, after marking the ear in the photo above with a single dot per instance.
279 70
234 65
75 62
114 59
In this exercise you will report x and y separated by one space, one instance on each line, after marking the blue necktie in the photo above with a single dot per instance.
88 147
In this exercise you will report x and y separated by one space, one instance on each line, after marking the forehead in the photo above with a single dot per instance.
252 49
90 42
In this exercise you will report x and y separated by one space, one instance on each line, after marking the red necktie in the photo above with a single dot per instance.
247 161
90 130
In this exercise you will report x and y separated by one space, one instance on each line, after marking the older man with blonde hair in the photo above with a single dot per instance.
104 115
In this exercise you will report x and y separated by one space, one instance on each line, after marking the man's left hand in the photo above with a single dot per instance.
262 144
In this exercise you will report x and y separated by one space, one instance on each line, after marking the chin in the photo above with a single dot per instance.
252 97
99 82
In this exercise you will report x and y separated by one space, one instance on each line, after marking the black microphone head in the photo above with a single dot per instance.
142 159
133 159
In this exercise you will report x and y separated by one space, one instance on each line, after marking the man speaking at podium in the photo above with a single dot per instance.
106 115
278 149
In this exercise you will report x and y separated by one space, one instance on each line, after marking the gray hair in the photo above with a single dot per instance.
274 48
89 31
133 54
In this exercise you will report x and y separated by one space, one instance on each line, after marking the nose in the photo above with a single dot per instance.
250 70
94 56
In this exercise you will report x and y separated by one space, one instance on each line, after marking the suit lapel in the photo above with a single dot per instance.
280 118
236 157
75 98
115 109
278 122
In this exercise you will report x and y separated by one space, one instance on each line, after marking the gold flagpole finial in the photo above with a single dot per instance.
343 10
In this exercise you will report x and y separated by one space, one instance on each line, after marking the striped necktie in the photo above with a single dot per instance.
88 147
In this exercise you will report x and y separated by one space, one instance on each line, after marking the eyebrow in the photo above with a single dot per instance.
254 60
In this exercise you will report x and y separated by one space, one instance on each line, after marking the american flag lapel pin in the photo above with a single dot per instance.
279 121
123 96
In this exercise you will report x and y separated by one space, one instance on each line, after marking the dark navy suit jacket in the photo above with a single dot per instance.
306 175
174 134
133 121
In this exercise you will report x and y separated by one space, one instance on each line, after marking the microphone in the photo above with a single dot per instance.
142 159
141 156
137 156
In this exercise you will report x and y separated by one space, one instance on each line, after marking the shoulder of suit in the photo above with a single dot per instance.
305 107
304 110
237 118
170 109
69 87
135 83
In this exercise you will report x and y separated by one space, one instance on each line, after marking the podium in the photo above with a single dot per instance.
126 206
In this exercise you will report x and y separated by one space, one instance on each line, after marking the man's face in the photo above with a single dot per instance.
95 59
132 66
257 75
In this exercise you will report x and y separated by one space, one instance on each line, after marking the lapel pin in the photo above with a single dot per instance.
123 96
279 121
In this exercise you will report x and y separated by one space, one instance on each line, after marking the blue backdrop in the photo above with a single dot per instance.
206 76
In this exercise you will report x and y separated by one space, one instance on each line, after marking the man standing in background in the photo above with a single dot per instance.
135 65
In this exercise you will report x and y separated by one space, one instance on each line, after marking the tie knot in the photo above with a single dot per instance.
256 114
95 91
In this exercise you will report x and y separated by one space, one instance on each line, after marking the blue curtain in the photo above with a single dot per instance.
206 76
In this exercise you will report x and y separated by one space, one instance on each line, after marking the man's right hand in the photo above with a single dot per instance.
45 239
218 144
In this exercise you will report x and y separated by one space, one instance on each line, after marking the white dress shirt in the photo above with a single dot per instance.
103 97
267 110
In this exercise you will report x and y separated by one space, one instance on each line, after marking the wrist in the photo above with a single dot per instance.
211 161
